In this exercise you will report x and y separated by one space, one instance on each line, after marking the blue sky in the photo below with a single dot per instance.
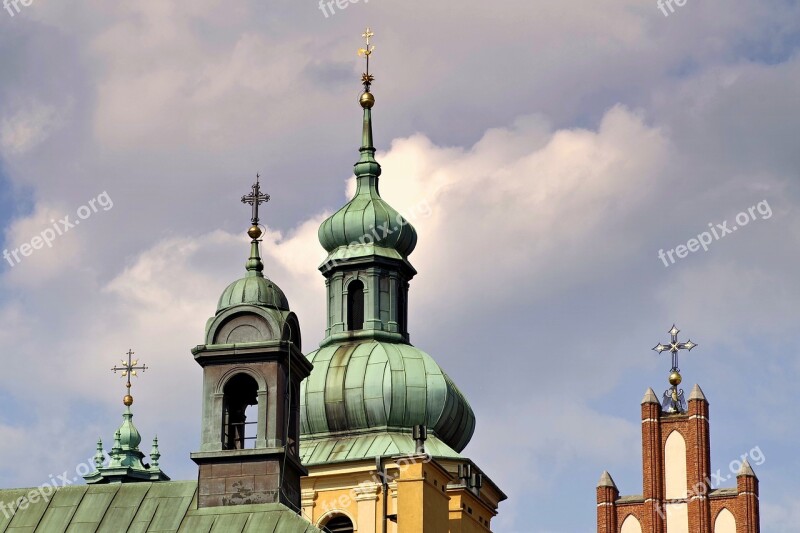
555 146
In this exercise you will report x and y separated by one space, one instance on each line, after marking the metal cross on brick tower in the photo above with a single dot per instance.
128 369
675 396
255 199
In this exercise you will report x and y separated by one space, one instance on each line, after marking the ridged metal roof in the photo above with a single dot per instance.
335 449
255 290
168 506
359 219
389 387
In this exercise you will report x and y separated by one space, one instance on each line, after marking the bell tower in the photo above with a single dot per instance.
252 364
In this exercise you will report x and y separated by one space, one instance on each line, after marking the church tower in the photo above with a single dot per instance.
252 368
383 426
680 492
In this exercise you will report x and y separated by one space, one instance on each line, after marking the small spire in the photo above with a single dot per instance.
650 396
125 464
255 199
116 450
367 167
606 480
155 455
99 457
697 393
746 470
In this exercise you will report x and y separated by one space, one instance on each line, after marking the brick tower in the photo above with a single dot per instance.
679 493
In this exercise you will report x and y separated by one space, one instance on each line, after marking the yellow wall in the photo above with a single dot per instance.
417 493
468 514
422 501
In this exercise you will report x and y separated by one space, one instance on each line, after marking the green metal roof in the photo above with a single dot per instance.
168 506
335 449
367 211
381 387
367 218
254 288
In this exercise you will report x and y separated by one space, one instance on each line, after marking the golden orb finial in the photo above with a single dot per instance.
127 400
254 232
366 100
675 379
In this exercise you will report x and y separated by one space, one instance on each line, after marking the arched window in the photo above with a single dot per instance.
355 306
338 524
401 308
675 467
239 394
631 525
725 522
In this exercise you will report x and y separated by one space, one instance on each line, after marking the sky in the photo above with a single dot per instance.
547 153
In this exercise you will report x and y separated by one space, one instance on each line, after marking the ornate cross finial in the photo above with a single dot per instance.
128 369
366 77
673 396
255 199
674 346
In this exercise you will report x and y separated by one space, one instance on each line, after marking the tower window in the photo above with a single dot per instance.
401 308
355 306
240 401
338 524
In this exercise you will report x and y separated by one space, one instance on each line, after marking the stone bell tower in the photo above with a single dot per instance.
252 368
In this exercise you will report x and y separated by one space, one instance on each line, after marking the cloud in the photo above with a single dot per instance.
24 127
545 152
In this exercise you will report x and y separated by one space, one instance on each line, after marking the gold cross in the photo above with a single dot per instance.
128 369
366 77
366 35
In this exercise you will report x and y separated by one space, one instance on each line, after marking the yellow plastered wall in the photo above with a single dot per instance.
350 490
422 500
468 514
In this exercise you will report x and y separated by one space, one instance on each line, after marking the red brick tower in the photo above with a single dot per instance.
679 493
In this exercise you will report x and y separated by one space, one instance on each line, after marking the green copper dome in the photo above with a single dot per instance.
254 288
379 385
367 218
129 437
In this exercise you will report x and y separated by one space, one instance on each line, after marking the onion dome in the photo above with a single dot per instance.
129 437
391 386
367 218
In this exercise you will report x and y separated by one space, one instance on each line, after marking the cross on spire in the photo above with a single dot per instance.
366 77
255 199
129 369
674 347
